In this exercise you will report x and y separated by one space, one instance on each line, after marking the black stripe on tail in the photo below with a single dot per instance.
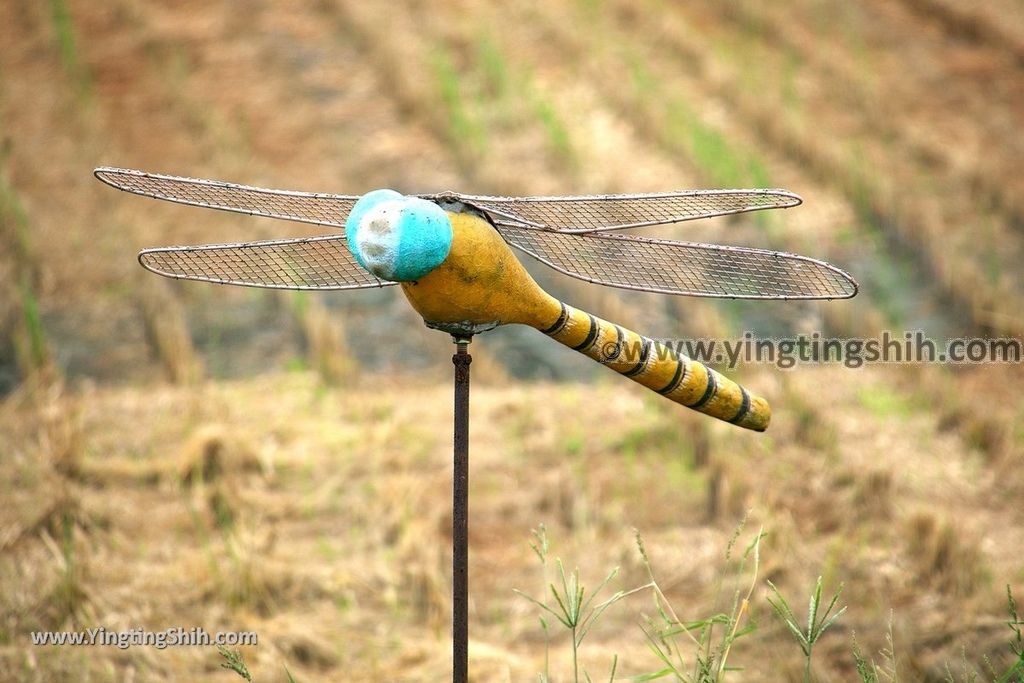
645 351
591 335
676 379
559 324
744 407
708 392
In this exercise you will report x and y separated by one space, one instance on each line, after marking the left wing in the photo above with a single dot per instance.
618 211
304 207
689 268
302 263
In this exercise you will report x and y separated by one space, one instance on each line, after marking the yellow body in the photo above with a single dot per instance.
482 284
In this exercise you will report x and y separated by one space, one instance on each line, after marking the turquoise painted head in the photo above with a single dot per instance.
398 238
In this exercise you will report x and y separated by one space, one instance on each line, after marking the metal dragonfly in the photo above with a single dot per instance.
450 254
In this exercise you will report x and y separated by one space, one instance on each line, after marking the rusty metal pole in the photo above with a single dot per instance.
460 514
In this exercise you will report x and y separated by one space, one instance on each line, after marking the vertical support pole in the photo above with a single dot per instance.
460 514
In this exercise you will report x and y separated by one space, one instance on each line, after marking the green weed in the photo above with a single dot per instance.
678 127
554 127
573 443
464 132
234 662
1015 672
698 651
790 73
645 83
497 77
576 611
657 439
510 89
35 351
718 160
884 402
29 338
70 595
64 28
817 623
870 672
14 220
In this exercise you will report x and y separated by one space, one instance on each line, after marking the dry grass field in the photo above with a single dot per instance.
182 455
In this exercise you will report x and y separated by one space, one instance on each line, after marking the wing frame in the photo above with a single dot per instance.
841 275
109 175
370 282
502 208
313 207
309 207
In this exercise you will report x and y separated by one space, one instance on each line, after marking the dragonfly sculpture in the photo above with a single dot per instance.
451 255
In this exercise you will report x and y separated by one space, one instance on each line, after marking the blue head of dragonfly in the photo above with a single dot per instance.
398 238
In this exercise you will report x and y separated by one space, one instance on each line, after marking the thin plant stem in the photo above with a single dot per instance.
575 657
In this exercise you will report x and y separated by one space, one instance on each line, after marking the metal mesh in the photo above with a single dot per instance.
609 212
611 259
305 207
304 263
683 267
568 214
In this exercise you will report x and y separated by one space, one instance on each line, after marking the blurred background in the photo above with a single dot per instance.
181 454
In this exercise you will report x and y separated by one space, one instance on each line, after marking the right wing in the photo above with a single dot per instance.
304 207
620 211
686 268
302 263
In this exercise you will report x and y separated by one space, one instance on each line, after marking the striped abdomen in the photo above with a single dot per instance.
659 368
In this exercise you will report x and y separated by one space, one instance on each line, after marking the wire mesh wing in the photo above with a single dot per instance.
671 267
617 260
614 212
305 207
302 263
565 214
